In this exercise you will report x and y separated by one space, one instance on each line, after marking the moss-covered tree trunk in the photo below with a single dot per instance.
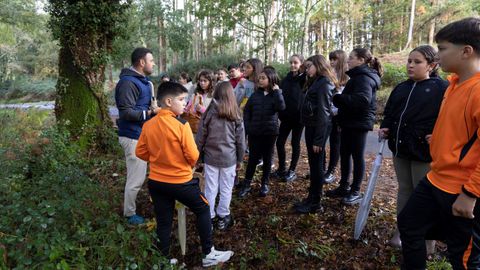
85 31
81 107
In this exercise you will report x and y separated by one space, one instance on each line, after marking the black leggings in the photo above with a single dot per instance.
261 146
334 140
352 145
315 162
164 196
285 128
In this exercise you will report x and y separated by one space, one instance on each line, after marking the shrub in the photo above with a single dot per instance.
54 214
213 63
393 75
192 67
281 68
28 89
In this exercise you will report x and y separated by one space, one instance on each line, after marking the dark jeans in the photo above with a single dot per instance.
285 128
164 196
352 145
428 209
334 146
261 146
315 162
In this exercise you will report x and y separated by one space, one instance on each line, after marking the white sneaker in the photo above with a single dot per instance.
215 257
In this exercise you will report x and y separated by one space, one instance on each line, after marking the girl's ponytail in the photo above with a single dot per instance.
370 60
375 64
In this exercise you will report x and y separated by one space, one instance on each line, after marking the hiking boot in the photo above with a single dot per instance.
309 208
225 222
279 174
339 192
245 189
264 189
215 257
290 176
329 178
352 198
135 220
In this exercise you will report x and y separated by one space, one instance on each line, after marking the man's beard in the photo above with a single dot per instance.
147 72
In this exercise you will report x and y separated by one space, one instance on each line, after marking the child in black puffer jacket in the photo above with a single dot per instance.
261 123
356 115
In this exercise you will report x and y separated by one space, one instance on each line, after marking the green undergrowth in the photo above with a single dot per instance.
59 210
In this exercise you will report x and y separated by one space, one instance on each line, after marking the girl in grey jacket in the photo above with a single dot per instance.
221 142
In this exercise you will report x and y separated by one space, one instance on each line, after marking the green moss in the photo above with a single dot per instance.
77 105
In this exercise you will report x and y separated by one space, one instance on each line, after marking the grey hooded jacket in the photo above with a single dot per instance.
221 142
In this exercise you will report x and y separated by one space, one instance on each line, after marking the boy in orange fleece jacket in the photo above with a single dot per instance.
167 143
445 200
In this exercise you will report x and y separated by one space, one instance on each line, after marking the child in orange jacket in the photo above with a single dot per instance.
167 143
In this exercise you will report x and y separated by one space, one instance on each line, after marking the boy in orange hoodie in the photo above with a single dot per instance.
167 143
445 200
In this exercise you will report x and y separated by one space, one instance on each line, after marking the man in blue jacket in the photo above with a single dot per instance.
133 96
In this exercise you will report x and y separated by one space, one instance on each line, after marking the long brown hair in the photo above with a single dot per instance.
226 102
370 60
257 65
208 74
323 69
341 67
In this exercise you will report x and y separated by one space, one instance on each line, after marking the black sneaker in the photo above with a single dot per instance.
352 198
260 163
339 192
244 188
264 190
290 176
225 222
214 221
309 208
329 178
302 202
279 174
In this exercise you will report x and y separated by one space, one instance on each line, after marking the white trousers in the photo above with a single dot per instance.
136 172
219 179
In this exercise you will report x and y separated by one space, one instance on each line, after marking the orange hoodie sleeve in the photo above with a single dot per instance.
473 184
190 151
141 151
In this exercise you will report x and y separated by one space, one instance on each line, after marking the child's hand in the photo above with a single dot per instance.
241 82
200 108
463 206
428 138
275 87
383 133
239 166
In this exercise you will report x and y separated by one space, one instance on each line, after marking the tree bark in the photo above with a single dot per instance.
306 19
79 106
410 28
